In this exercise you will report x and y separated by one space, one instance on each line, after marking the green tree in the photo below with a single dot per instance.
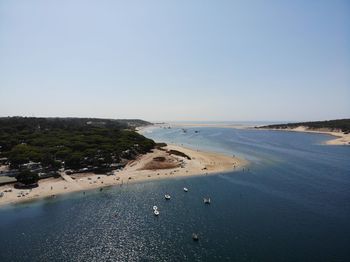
73 161
26 177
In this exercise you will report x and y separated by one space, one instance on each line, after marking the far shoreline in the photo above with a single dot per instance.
339 137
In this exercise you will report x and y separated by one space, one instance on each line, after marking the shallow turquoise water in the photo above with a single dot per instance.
293 205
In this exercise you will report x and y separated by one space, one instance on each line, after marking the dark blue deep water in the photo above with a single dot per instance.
292 205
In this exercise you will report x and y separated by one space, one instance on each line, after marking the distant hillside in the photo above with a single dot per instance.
134 122
333 125
70 123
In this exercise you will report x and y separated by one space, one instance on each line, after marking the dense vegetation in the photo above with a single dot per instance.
339 124
70 142
27 178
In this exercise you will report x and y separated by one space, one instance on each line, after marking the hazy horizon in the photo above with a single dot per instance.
176 61
189 121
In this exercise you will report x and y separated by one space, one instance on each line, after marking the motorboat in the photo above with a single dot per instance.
185 189
167 197
195 237
156 212
155 208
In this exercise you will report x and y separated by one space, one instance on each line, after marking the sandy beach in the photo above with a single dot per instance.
159 164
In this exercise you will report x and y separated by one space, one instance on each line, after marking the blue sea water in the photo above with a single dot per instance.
292 205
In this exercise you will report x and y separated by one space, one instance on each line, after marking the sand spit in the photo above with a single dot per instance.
158 164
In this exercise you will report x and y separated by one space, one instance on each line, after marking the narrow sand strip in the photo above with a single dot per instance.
341 138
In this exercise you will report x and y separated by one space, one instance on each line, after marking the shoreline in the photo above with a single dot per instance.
201 163
340 137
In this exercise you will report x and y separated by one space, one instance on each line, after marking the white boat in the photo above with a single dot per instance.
155 208
167 197
185 189
156 212
206 200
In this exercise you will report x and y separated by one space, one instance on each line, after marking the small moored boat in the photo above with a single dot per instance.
156 212
195 237
167 197
185 189
155 208
206 200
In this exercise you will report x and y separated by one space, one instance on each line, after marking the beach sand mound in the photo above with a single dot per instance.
161 162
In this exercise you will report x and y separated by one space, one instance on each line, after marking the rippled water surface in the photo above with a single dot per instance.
292 205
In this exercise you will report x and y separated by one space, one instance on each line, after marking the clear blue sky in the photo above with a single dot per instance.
176 60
